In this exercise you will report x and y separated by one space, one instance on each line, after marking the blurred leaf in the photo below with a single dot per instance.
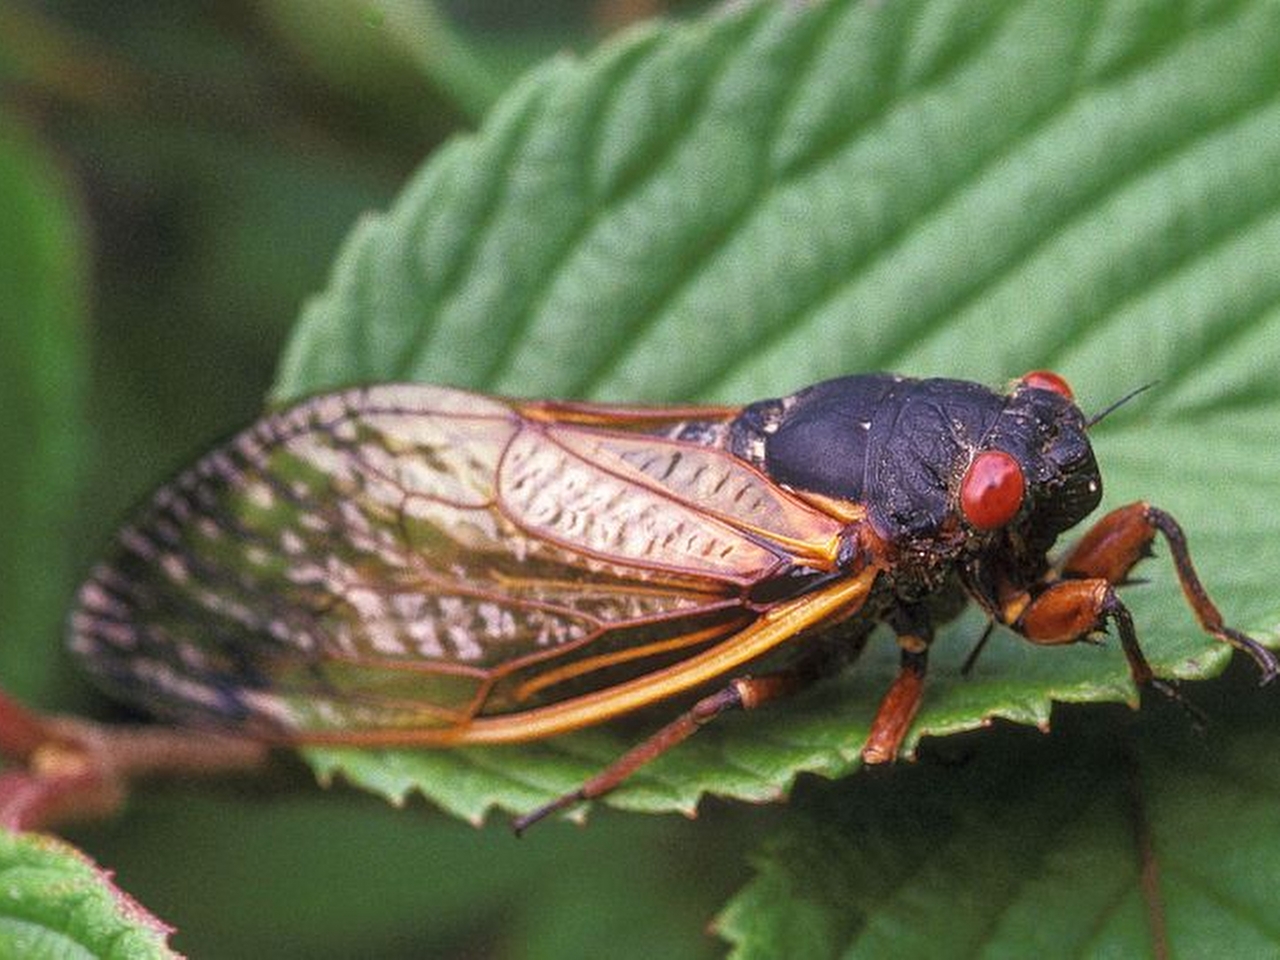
302 875
57 904
37 51
734 208
42 325
423 33
207 241
1033 849
368 49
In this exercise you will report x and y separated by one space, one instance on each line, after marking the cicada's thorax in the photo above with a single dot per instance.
907 449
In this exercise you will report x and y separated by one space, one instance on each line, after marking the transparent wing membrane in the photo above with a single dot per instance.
418 557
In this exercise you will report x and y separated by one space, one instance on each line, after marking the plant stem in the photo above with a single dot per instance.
68 768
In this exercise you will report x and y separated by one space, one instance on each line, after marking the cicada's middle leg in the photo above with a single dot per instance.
914 629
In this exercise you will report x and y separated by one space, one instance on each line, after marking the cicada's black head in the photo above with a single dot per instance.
946 468
1033 475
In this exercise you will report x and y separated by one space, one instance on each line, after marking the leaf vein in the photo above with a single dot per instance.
1227 904
572 242
461 265
693 267
906 335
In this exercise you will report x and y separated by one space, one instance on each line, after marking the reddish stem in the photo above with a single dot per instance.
72 769
21 731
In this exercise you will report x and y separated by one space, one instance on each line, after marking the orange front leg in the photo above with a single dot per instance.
1112 546
1072 610
1084 601
1123 537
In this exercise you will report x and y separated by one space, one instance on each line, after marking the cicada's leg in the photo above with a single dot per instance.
1085 600
898 708
1123 537
1072 610
913 626
742 693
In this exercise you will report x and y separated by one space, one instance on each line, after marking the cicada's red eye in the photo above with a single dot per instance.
992 490
1047 380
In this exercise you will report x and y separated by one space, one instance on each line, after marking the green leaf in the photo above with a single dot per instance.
735 208
42 307
1034 849
57 904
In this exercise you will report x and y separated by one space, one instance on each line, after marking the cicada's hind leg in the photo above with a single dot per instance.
1084 599
742 693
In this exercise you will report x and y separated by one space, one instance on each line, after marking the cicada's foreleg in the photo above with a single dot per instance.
1072 610
1084 599
742 693
1123 537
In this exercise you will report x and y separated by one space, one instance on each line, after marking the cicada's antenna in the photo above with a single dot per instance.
1088 424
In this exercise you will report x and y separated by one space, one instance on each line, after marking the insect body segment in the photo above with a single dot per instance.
419 565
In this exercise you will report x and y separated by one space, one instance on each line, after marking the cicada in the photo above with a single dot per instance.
419 565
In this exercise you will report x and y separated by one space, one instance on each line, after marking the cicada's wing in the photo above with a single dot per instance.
411 562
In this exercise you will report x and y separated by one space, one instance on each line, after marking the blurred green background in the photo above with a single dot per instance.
213 156
175 178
